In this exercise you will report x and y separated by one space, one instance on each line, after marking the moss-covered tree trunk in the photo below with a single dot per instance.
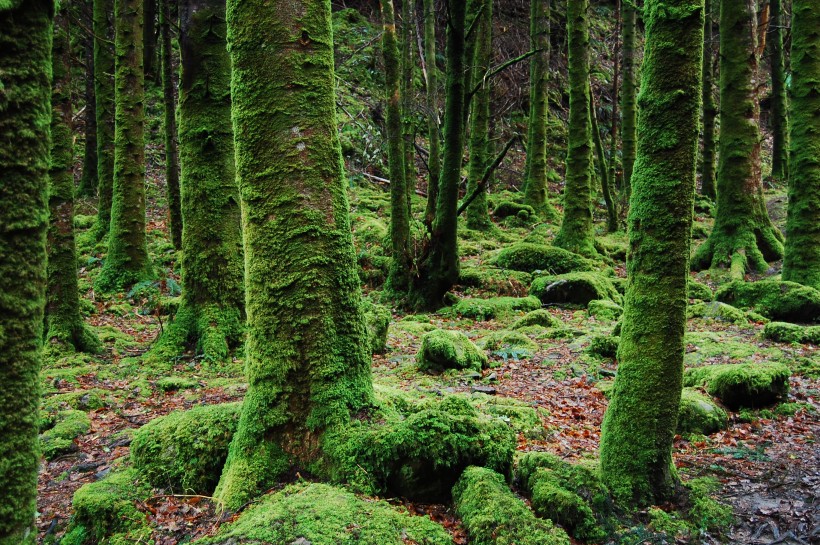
149 39
480 146
743 237
127 261
63 320
616 88
88 179
210 317
537 166
170 128
640 422
603 168
802 262
25 114
439 269
628 93
576 232
398 280
408 44
779 117
103 19
431 102
307 362
707 172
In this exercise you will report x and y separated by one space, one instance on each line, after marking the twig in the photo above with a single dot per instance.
486 178
387 182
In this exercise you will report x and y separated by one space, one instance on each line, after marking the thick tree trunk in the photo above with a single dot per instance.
170 127
779 116
64 322
576 234
310 371
408 10
707 173
104 100
743 237
640 422
628 94
25 112
127 261
431 101
88 178
802 262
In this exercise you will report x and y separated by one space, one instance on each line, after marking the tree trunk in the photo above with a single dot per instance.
310 371
537 167
170 126
616 78
127 261
149 39
104 100
639 425
779 117
628 94
743 237
88 179
603 168
431 101
707 177
802 262
25 111
408 126
576 234
64 323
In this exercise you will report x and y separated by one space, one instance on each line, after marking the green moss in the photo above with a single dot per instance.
377 318
449 350
520 415
68 425
786 301
604 309
506 209
668 524
494 307
742 385
716 311
493 515
85 400
552 501
500 281
605 346
699 414
184 451
583 478
169 384
791 409
509 344
529 257
705 512
696 290
792 333
574 288
540 317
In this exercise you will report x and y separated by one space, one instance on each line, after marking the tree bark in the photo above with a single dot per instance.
431 101
707 176
603 168
779 115
629 93
408 9
170 129
104 101
88 179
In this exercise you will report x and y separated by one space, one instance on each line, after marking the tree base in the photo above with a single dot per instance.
78 336
212 331
745 250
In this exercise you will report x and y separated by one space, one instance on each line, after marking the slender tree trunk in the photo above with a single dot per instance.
628 94
743 237
639 425
616 78
802 262
88 179
127 261
431 96
537 166
576 232
25 112
480 146
104 99
398 280
408 10
170 126
707 177
64 322
310 372
779 116
149 39
603 168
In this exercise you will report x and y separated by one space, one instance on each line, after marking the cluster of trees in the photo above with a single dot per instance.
257 132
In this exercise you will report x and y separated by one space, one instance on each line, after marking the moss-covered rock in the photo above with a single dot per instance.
605 346
185 450
67 426
493 515
552 501
84 400
529 257
785 301
582 478
378 321
442 350
486 309
520 415
697 290
509 344
505 209
699 414
742 384
716 310
171 384
792 333
574 288
540 317
604 309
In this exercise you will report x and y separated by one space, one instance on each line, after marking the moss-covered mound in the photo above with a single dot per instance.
185 450
605 346
741 384
493 515
785 301
529 257
378 320
718 311
574 288
604 309
442 350
418 449
696 290
792 333
487 309
540 317
509 344
320 514
505 209
699 414
520 415
500 281
66 426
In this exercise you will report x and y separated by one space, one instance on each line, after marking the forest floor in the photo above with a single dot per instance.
767 464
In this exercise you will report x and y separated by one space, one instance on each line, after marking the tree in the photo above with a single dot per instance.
64 322
707 173
127 261
149 38
25 113
88 180
431 104
743 237
170 127
307 362
211 314
408 10
629 92
603 167
576 234
802 261
537 168
779 117
104 108
640 422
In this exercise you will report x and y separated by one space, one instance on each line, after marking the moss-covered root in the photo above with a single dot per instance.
127 261
792 333
25 111
802 261
493 515
309 371
639 425
743 238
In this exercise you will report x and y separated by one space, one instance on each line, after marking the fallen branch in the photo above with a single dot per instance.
486 178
